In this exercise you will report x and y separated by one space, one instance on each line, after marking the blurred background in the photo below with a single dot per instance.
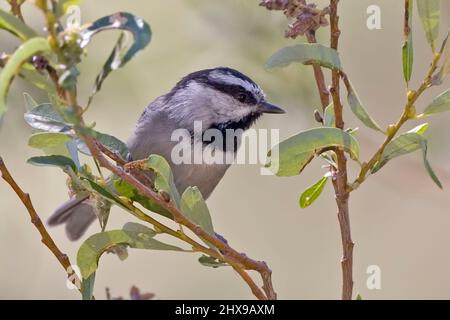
400 219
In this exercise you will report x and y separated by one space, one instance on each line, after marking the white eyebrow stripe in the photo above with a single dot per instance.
230 79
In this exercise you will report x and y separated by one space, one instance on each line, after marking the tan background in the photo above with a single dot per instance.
400 220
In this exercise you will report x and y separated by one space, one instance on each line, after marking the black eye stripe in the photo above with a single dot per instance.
234 90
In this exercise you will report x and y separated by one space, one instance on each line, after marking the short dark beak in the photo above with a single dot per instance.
266 107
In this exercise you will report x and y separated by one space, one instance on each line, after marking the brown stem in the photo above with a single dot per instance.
16 9
340 177
46 239
318 72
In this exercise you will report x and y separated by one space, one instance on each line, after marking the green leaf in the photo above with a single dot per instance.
404 144
87 287
440 104
64 5
359 111
329 119
211 262
33 76
195 209
51 143
430 14
127 190
112 143
291 156
121 54
45 118
408 50
96 188
30 103
359 297
15 26
307 54
138 237
445 57
313 192
164 180
12 67
56 161
433 176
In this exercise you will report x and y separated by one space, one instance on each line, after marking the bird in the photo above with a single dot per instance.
220 98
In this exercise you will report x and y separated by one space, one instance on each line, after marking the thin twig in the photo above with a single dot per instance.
318 72
16 9
46 239
340 176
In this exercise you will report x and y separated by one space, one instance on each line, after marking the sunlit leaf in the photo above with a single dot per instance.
138 237
127 190
440 104
122 53
55 161
359 111
291 156
430 13
195 209
50 142
408 50
12 67
15 26
307 54
313 192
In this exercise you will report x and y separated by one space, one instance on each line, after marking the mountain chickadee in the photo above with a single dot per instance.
221 98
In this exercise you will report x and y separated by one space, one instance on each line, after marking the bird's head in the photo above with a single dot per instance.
219 97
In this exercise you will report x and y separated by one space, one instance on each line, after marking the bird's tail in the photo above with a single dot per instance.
77 214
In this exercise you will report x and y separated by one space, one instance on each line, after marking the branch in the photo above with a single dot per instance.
46 239
16 9
318 72
408 113
340 176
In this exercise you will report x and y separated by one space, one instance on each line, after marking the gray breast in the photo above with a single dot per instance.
152 135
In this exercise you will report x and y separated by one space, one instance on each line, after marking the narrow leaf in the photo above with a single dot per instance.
291 156
12 67
359 111
433 176
329 119
408 50
445 57
307 54
57 161
440 104
121 54
87 287
15 26
430 14
312 193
